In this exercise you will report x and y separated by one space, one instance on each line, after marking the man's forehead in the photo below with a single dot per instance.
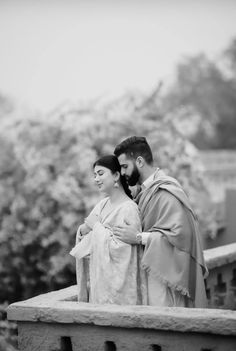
123 159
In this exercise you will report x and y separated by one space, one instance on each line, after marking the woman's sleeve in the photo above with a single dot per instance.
132 216
94 215
79 236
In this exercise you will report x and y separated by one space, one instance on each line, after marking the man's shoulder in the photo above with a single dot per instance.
162 194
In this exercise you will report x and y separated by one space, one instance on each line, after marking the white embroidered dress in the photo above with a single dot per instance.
115 273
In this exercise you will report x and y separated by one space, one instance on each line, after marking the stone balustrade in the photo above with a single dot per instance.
221 282
57 322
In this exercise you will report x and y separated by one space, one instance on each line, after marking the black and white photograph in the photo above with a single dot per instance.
117 175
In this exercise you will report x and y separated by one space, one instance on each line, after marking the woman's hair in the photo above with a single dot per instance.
111 162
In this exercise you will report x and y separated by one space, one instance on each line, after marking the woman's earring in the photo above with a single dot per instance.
116 185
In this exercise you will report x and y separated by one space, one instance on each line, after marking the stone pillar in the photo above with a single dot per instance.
230 215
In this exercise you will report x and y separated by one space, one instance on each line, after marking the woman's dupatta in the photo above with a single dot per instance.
82 276
115 270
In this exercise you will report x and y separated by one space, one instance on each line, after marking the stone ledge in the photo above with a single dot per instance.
220 256
57 307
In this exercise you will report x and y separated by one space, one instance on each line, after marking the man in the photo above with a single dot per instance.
173 257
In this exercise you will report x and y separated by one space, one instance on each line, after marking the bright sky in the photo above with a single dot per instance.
55 51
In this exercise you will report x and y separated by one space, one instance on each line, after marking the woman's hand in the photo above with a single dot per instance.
83 229
91 220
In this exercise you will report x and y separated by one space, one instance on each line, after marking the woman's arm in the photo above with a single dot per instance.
89 222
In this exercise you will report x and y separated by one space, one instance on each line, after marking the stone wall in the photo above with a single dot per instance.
221 282
57 322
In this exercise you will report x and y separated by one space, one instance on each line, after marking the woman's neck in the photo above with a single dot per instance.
117 196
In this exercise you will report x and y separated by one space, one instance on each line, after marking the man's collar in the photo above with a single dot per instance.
148 181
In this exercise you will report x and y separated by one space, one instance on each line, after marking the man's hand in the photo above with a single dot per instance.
126 233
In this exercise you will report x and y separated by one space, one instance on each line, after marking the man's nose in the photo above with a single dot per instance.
122 172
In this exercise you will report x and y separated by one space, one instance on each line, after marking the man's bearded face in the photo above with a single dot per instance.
133 178
129 169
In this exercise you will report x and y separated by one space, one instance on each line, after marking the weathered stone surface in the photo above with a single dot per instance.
52 308
50 337
220 256
57 322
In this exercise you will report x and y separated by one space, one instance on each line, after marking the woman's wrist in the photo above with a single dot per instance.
84 229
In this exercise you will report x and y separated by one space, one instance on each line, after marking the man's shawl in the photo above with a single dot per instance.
115 270
174 255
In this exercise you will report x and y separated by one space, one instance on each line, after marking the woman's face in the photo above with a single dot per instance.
104 179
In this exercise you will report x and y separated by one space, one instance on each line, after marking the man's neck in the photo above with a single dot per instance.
146 172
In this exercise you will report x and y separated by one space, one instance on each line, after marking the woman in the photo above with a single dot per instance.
114 274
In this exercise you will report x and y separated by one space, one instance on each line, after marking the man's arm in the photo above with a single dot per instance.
129 235
168 213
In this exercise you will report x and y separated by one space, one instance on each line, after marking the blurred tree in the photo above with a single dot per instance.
6 106
230 57
203 88
41 204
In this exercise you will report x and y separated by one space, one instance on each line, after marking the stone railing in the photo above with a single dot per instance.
57 322
221 282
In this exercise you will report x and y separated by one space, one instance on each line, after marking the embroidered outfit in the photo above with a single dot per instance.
114 271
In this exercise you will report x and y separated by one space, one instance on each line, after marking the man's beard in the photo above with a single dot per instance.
134 177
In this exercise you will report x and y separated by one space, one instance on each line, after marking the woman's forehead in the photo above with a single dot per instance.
98 168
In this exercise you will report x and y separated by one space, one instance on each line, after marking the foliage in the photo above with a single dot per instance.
230 58
205 88
42 203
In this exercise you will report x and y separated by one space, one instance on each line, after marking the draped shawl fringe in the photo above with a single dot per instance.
176 287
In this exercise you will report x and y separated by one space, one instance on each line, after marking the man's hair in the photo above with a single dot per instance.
133 147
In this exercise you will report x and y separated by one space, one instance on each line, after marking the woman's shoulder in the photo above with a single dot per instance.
131 212
104 199
130 204
103 202
100 204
